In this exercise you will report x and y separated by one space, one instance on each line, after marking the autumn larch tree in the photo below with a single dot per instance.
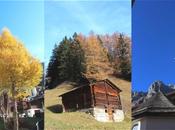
119 53
18 69
98 66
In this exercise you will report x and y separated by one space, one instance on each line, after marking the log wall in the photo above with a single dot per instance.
105 95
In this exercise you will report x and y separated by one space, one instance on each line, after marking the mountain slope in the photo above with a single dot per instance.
78 120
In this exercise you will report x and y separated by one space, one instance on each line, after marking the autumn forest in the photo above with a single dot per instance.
92 57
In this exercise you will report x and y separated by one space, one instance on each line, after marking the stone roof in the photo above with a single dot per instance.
158 103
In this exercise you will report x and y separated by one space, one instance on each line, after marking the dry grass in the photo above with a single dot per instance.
79 120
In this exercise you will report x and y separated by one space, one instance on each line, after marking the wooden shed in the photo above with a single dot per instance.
101 99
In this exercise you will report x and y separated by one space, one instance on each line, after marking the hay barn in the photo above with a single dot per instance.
101 99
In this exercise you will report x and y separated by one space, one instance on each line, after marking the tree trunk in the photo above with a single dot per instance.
15 110
4 120
6 108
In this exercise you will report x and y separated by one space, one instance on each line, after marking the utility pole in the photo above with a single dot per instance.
133 1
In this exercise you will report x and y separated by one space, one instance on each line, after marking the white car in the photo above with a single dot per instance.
22 115
31 112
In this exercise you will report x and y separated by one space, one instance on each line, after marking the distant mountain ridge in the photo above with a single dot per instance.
156 86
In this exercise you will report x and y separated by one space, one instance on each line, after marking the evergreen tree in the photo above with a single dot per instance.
91 56
67 62
63 59
52 71
77 60
123 58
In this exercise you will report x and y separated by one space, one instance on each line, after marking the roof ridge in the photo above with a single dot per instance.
158 100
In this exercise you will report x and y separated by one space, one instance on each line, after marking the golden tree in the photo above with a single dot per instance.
18 69
98 66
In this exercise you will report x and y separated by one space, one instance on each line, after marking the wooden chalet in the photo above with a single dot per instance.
101 99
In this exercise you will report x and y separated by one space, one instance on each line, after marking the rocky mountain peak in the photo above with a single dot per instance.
155 87
172 86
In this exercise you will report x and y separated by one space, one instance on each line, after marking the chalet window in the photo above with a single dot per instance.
135 127
77 106
106 110
113 111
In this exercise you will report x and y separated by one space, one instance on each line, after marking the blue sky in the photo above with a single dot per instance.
41 24
153 36
65 18
26 21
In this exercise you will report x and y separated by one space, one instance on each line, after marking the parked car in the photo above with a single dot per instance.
40 125
22 115
33 112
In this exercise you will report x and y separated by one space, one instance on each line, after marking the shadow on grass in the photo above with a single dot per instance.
56 108
1 124
29 123
24 124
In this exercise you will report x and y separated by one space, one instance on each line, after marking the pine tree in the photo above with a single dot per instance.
123 58
77 60
67 62
52 71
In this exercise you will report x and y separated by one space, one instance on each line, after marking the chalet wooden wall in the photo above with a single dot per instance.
77 99
105 95
101 94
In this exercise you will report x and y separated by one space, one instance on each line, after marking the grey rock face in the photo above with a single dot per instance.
138 97
172 86
156 86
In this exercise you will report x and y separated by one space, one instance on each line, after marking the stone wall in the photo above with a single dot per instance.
101 115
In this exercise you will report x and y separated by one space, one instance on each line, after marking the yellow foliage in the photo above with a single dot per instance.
22 94
17 66
97 64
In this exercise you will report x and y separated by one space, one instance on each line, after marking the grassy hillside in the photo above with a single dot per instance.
78 120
